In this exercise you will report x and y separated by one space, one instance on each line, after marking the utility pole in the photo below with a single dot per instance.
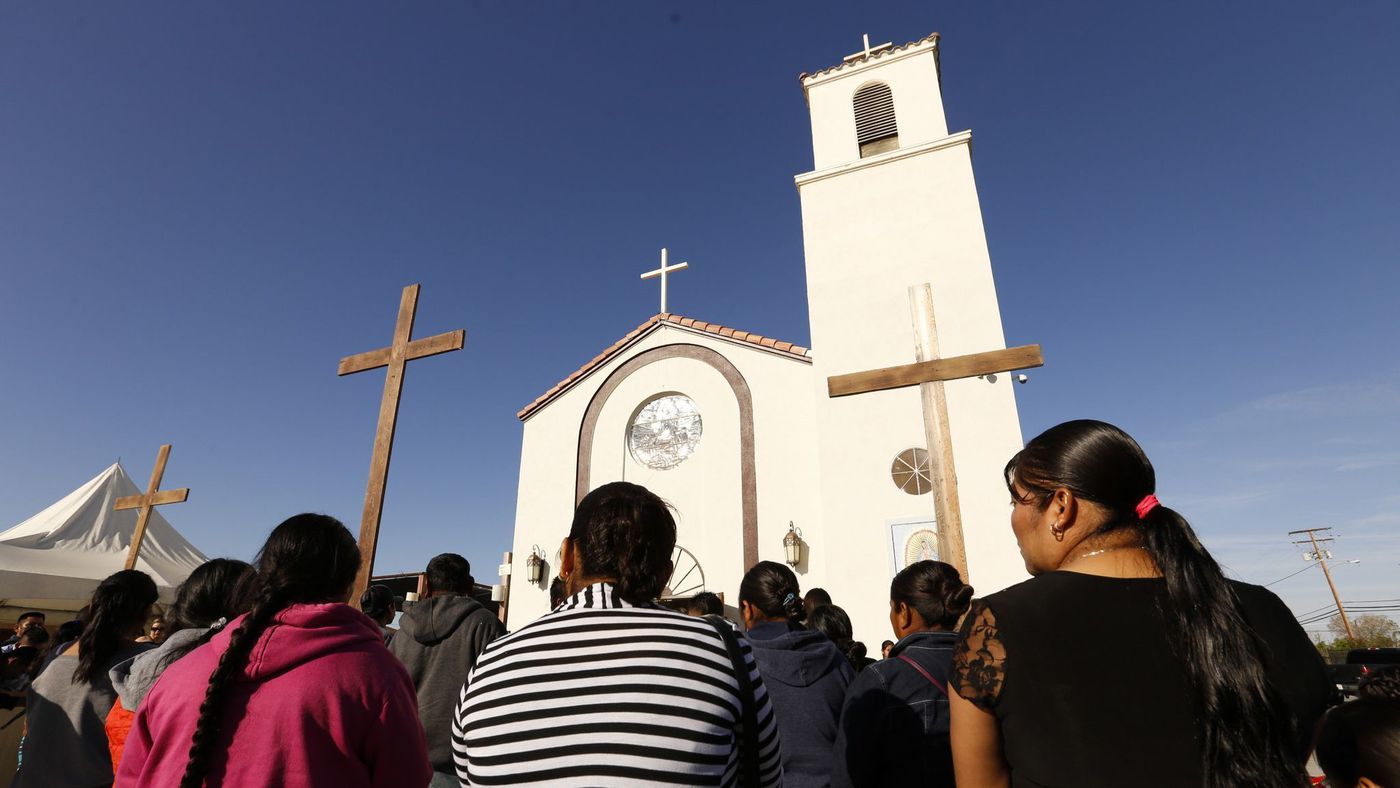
1319 555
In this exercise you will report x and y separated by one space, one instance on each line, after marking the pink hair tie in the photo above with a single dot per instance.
1146 505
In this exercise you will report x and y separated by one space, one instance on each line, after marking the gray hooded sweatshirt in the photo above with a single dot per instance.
438 641
133 678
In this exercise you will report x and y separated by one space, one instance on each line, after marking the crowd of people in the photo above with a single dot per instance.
1128 659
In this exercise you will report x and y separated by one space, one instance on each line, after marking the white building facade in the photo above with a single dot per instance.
737 432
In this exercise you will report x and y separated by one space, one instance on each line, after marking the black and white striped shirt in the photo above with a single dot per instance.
604 692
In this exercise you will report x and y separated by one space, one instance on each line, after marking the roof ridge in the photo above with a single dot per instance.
744 337
804 76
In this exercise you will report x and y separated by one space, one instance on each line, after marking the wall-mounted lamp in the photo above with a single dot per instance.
534 566
792 545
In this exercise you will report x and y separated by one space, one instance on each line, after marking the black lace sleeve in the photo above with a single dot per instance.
979 660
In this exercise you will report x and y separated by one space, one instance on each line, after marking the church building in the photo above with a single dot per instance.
737 431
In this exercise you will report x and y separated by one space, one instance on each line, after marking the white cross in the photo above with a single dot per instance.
662 272
869 50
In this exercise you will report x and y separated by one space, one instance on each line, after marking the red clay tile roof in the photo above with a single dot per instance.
804 76
796 351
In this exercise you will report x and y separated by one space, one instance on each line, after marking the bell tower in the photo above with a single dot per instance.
889 205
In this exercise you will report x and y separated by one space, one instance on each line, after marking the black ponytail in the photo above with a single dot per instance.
214 590
625 534
832 621
1241 744
308 558
120 605
772 589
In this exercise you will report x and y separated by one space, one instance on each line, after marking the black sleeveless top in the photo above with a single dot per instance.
1088 690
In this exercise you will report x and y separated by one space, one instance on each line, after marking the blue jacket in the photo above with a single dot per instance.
806 677
894 725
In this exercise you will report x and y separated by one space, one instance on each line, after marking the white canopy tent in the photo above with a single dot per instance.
54 560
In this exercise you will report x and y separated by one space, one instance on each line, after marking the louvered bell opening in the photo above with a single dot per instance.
876 131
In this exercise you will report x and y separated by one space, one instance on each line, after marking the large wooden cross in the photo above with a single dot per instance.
395 357
148 501
929 372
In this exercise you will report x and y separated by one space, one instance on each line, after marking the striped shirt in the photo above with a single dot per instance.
604 692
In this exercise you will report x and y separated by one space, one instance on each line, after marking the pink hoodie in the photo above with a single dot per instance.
321 702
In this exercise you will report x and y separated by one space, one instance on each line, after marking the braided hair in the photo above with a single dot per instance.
771 588
308 558
120 605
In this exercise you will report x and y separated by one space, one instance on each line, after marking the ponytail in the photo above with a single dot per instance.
1242 747
772 589
309 558
119 605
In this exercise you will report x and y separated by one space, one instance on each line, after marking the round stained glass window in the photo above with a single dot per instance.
665 432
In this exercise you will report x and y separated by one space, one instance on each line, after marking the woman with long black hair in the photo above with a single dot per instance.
1129 659
298 692
65 744
209 597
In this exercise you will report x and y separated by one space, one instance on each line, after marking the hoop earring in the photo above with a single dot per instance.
1057 532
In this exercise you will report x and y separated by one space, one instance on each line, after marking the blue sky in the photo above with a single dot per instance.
1192 206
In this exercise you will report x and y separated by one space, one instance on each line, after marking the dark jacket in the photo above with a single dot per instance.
806 678
438 641
894 726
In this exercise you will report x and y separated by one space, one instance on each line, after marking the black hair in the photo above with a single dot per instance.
1383 683
1361 738
34 636
119 605
772 588
556 592
625 534
211 592
215 589
69 631
708 603
1223 658
815 598
935 590
39 614
377 601
308 558
833 622
450 573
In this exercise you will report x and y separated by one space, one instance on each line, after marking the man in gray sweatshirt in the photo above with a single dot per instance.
438 641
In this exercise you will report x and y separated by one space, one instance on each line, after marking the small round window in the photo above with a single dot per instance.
911 473
665 432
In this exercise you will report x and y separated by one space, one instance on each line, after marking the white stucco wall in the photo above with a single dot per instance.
871 229
705 489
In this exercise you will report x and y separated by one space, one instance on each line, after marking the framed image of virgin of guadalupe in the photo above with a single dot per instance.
911 540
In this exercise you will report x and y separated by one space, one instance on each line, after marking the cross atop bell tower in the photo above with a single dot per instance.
880 99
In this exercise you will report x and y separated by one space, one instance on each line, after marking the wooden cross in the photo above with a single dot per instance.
148 501
395 357
662 272
928 373
869 50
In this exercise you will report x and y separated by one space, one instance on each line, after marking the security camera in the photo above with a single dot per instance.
1022 379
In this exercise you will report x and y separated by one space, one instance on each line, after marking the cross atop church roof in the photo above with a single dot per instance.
873 53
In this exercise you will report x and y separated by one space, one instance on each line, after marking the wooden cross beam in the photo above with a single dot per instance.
148 501
395 357
928 373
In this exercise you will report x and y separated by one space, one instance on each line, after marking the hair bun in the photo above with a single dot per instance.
793 607
961 601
